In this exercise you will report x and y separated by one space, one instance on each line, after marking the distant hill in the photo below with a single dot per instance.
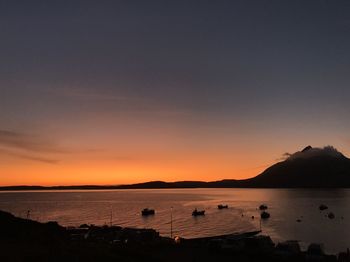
310 168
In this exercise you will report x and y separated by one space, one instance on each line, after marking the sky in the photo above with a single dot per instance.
116 92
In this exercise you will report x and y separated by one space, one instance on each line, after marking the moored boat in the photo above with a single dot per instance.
263 207
147 212
322 207
265 215
198 213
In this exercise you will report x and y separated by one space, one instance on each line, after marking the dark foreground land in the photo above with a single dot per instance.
27 240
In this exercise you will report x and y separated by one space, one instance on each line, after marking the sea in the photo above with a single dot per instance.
295 213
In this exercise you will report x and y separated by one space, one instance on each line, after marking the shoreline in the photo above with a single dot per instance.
32 238
104 188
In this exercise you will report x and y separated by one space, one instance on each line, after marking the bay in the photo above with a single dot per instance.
123 207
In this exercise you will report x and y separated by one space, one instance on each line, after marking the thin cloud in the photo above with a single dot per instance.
28 147
96 96
36 148
116 101
284 157
28 157
87 94
20 141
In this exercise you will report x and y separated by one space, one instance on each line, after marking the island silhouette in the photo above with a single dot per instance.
309 168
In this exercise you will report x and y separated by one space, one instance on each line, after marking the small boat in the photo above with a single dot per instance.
265 215
147 212
331 215
263 207
222 206
322 207
198 213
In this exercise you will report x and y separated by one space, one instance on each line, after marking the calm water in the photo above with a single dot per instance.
285 206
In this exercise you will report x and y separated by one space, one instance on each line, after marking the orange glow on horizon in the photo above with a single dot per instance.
141 150
105 172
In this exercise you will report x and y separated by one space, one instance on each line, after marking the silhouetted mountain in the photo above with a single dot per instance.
310 167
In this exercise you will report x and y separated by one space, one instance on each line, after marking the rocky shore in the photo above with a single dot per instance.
27 240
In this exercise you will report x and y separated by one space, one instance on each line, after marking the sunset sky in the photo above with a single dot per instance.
115 92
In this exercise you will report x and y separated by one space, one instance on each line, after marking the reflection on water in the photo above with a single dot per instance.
285 207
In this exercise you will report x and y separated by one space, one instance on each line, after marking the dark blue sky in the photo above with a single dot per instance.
259 71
